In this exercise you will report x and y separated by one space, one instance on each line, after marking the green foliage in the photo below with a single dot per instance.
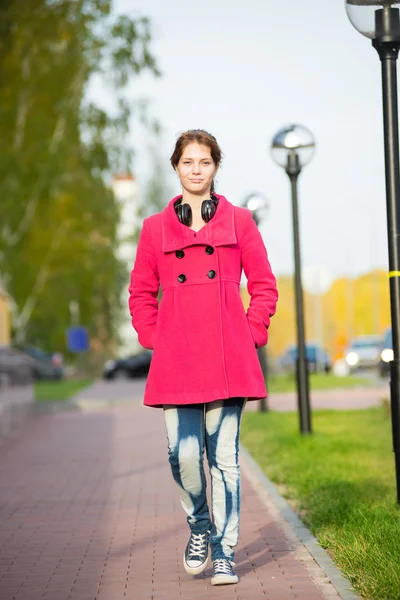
341 481
58 216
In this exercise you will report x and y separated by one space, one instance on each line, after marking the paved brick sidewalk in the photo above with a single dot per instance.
89 510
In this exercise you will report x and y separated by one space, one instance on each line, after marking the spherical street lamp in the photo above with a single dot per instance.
379 20
293 148
293 139
258 204
375 18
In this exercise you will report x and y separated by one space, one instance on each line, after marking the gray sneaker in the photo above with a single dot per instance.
195 559
223 572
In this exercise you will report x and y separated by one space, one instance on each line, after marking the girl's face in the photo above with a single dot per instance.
196 169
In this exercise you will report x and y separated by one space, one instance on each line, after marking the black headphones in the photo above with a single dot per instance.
184 211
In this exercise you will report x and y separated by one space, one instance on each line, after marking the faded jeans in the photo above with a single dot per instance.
214 426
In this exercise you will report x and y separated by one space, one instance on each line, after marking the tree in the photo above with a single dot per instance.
58 217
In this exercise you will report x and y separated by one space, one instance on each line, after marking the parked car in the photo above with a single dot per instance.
364 352
136 365
46 365
317 358
386 353
16 368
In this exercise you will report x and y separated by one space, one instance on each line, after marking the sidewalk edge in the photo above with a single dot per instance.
321 557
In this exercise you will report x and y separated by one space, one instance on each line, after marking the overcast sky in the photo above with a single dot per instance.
242 70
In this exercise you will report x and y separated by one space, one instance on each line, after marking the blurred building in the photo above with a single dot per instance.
125 190
4 318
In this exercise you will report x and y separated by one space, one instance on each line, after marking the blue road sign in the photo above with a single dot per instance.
77 339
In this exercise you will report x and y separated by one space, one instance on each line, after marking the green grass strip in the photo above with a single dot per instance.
318 381
53 391
341 482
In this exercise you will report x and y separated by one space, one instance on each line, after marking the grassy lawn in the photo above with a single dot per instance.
47 391
318 381
341 482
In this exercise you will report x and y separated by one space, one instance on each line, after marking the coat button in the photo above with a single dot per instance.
179 254
211 274
181 278
209 250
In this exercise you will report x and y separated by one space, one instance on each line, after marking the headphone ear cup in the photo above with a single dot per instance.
184 213
208 209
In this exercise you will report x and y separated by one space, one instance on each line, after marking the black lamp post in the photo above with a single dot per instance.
292 148
258 204
379 20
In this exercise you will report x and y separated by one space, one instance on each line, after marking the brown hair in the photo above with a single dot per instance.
201 137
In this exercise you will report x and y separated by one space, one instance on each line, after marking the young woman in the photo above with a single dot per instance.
204 364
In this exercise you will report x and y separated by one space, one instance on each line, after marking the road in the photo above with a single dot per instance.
111 392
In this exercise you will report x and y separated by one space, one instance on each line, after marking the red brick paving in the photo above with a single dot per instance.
89 510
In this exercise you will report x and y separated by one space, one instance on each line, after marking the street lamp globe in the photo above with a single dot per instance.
293 140
376 19
256 201
258 204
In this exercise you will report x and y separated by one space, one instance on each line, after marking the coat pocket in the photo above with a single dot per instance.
251 332
236 315
146 337
165 325
259 333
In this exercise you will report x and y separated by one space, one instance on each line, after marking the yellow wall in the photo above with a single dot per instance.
4 320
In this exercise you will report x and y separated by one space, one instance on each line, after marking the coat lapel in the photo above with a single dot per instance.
220 231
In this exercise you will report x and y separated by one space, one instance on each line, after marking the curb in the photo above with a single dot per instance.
321 557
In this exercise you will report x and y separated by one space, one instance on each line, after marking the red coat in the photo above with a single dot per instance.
204 343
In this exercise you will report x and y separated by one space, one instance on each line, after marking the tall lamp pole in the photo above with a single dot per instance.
379 20
258 204
292 148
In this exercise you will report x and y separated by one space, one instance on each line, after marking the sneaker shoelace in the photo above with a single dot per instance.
198 545
223 565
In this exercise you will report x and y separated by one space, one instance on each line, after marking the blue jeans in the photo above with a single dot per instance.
214 426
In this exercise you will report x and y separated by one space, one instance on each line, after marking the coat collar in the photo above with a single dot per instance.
220 231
